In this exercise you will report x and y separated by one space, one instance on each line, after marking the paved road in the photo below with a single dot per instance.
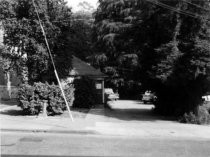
128 129
46 144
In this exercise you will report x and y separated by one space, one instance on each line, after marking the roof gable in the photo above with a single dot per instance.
81 68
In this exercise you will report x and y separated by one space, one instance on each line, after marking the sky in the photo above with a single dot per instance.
74 4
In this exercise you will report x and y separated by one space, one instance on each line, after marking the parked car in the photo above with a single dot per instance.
110 95
206 98
148 97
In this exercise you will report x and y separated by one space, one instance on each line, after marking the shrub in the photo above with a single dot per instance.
85 93
202 117
32 97
189 118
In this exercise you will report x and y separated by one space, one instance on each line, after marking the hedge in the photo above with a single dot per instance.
32 97
85 93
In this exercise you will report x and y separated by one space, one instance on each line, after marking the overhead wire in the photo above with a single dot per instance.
53 63
171 8
187 13
196 16
70 20
198 6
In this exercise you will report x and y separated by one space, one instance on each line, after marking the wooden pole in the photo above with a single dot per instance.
56 74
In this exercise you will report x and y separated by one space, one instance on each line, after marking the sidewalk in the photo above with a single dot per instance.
12 119
126 118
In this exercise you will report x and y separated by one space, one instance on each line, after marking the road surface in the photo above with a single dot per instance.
54 144
129 128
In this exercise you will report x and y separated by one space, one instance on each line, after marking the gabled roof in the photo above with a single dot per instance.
81 68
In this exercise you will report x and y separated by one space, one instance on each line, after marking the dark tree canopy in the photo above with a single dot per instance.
24 40
159 45
81 35
168 49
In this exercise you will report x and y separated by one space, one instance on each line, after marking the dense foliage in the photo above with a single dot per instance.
85 93
157 45
118 53
163 44
202 117
25 43
81 35
32 97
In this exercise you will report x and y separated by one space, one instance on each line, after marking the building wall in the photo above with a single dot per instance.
6 91
5 94
1 36
99 84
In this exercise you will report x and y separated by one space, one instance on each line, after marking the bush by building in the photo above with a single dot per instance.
201 117
85 93
32 97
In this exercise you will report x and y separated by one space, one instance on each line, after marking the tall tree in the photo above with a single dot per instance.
183 63
81 35
171 41
117 56
24 40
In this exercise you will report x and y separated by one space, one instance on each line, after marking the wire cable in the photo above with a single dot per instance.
171 8
70 20
176 10
50 54
198 6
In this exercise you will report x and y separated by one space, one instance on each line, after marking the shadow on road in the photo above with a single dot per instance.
127 110
131 111
13 112
8 102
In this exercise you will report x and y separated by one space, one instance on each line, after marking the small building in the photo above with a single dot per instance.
9 81
83 69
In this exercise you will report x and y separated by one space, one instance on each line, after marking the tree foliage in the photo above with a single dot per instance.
81 35
24 40
114 26
85 93
32 98
168 50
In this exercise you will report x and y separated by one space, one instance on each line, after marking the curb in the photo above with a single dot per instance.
80 132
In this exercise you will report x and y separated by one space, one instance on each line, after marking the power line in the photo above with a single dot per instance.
187 13
171 8
50 54
156 2
175 10
70 20
198 6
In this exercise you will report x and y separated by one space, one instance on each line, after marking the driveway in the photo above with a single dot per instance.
132 118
